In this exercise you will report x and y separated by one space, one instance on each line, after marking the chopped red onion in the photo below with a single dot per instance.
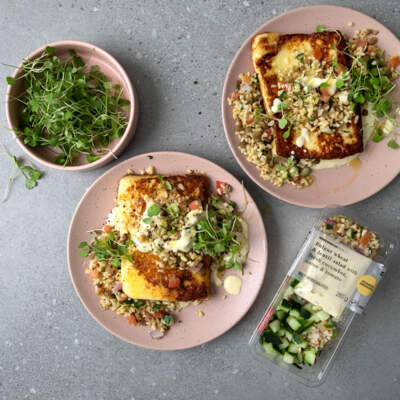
156 334
117 287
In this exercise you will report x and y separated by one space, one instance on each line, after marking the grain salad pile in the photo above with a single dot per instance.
317 96
352 234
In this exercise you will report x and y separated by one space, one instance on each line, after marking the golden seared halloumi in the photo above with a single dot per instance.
147 278
159 214
300 78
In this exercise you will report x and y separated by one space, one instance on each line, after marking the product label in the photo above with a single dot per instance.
331 273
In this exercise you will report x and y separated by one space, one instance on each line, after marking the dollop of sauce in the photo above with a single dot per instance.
233 284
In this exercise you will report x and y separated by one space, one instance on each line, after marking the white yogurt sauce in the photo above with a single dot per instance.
233 284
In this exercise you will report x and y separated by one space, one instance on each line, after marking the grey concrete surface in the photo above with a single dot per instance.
50 347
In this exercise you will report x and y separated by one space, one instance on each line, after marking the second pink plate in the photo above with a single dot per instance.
332 187
219 314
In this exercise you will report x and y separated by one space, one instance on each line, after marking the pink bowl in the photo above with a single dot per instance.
114 72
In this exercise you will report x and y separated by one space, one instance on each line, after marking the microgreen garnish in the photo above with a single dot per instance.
173 210
106 249
282 122
30 173
153 210
286 134
320 28
156 307
160 178
147 220
339 84
324 84
217 233
300 57
334 61
393 144
168 185
167 319
77 112
282 95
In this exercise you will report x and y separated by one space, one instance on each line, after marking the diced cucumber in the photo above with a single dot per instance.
283 308
299 357
296 305
288 358
298 339
289 335
293 323
306 325
287 304
275 325
305 313
270 337
269 349
295 313
294 348
309 307
303 344
281 332
284 344
289 291
280 314
320 316
294 282
309 356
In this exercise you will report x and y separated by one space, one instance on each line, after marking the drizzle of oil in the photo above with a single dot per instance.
355 165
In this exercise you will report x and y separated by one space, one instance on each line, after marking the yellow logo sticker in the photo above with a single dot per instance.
366 285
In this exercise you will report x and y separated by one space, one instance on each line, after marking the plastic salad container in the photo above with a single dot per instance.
330 281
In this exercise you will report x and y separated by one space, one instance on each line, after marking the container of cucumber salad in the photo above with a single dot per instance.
331 280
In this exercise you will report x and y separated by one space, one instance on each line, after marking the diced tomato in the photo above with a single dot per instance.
194 205
361 43
94 273
222 187
366 238
235 95
132 320
159 314
174 282
325 95
394 62
249 121
107 228
371 49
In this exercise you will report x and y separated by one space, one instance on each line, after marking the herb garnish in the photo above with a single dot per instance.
30 173
65 107
106 249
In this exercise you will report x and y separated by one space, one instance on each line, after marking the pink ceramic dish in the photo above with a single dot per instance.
220 315
114 72
332 187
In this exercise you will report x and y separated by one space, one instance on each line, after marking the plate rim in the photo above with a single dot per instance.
132 341
244 164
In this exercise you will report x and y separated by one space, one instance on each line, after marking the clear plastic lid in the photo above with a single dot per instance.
332 278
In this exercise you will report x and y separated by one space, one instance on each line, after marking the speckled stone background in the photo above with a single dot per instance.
50 348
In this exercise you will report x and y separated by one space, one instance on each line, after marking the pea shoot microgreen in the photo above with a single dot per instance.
106 249
30 173
153 210
65 107
320 28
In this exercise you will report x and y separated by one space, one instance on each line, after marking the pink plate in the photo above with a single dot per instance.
220 315
342 186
